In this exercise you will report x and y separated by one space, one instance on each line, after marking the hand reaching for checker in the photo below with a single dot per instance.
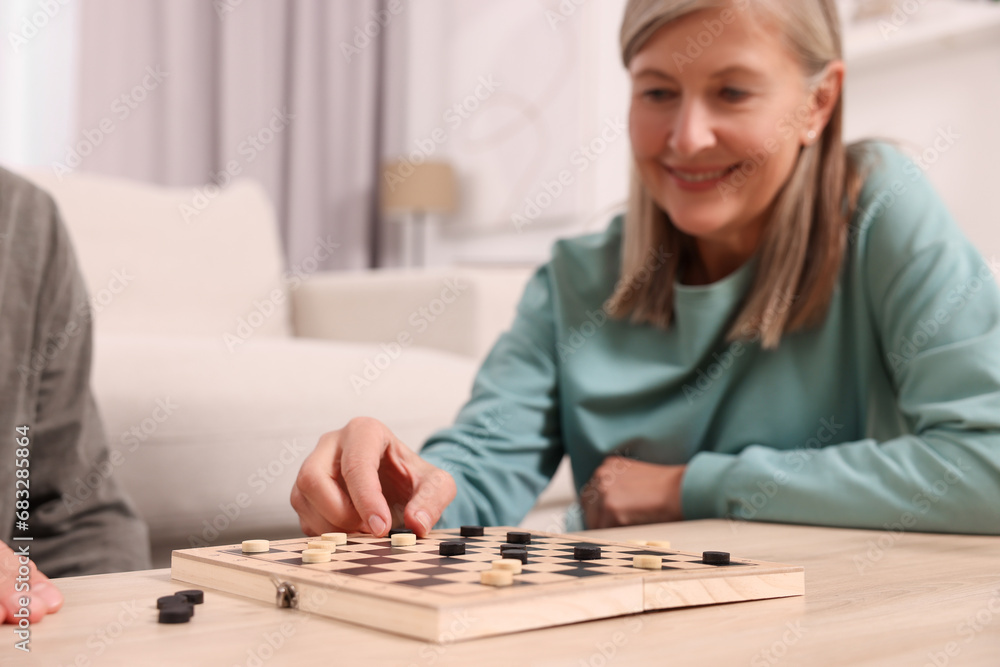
44 598
362 478
625 492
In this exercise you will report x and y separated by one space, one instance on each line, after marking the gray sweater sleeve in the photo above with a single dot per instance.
80 519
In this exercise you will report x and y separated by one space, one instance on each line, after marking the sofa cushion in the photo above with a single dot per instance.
208 444
172 260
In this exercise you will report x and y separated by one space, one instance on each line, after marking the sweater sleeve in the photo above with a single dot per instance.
505 444
935 311
81 520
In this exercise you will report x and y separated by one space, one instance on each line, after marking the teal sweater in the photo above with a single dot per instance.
885 416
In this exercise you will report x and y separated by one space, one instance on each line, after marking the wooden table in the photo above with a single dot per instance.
872 598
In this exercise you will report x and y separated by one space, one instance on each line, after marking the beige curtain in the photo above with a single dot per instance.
288 92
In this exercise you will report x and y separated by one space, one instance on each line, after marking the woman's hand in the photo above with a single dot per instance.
28 583
362 478
625 492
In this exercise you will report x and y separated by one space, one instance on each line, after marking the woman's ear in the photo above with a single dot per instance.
823 100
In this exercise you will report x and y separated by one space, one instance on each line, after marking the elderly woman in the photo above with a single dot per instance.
778 328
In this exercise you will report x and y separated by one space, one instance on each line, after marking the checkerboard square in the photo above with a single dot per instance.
544 577
471 566
432 571
291 561
403 565
375 560
581 572
392 576
425 582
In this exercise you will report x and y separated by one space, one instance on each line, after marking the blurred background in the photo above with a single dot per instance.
365 82
318 209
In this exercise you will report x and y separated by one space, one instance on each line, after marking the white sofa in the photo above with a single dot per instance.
216 371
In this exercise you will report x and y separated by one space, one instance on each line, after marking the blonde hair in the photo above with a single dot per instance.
803 245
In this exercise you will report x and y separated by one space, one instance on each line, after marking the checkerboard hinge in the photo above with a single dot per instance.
286 596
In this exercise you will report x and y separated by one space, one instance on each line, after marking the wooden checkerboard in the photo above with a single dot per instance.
416 592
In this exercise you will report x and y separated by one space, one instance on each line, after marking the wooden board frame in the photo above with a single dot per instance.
466 611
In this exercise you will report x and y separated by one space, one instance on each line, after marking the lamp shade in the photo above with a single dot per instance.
427 187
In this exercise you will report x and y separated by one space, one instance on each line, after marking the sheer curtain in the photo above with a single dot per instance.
288 92
37 82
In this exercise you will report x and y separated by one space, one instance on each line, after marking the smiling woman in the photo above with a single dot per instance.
736 132
779 328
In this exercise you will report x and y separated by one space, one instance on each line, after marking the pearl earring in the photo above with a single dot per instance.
811 135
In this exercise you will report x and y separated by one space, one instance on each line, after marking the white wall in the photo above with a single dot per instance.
556 94
937 76
560 83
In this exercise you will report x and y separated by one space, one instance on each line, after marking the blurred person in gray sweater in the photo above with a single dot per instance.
54 445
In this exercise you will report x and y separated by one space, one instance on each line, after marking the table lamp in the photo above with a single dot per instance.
417 189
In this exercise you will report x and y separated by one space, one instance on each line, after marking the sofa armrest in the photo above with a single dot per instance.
458 310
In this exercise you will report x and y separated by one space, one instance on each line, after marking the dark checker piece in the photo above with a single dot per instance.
170 601
397 531
715 558
587 552
194 596
471 531
176 613
519 554
451 548
515 537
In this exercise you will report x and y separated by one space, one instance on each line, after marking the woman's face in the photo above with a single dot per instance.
719 111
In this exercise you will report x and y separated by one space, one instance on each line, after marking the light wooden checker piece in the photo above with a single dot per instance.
414 591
